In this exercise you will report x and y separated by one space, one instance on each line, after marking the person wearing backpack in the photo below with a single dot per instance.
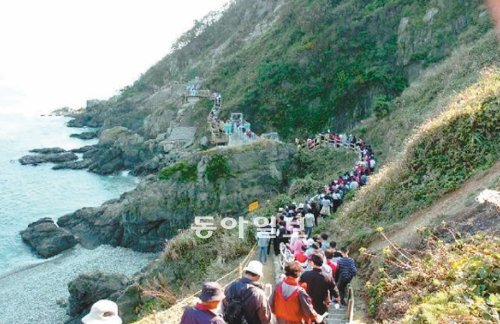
246 302
205 311
329 253
289 302
346 270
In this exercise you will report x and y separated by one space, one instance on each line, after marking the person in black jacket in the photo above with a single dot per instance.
320 286
345 272
249 294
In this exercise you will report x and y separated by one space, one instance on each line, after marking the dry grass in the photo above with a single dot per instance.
465 131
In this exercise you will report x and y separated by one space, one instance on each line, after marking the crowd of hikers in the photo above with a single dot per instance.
317 277
317 274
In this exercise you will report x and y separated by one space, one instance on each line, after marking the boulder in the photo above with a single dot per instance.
46 238
64 111
93 227
48 150
44 158
106 160
86 289
74 165
83 149
85 135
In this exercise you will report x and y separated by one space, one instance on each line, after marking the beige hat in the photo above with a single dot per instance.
254 267
103 312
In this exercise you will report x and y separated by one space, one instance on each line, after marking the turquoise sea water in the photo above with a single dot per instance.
28 193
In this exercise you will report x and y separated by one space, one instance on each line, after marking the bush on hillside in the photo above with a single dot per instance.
455 282
218 168
188 172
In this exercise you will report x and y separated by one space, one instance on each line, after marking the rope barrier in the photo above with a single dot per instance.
174 313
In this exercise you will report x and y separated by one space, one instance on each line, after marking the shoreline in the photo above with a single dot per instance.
31 293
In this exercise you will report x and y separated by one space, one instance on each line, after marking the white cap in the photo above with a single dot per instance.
103 312
301 205
254 267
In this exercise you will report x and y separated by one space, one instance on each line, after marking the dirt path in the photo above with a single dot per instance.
456 205
453 204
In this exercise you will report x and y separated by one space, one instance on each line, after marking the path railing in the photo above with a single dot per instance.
174 313
350 304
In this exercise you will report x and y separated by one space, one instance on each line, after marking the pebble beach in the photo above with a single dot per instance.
30 295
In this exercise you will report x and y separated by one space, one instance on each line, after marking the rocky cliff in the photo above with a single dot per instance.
222 180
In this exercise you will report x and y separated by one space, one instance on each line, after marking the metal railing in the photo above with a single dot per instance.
350 304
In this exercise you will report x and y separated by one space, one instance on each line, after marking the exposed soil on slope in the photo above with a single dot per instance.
457 208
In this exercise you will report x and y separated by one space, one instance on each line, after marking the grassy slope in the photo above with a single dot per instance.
453 135
440 283
431 155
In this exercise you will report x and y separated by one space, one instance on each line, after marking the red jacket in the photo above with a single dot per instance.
295 307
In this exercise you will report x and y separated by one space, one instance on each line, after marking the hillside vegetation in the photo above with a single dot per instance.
437 159
418 80
309 64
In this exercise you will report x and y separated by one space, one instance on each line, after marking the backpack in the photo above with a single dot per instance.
233 310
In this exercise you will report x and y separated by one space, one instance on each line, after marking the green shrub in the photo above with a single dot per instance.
304 186
217 168
381 106
188 172
455 282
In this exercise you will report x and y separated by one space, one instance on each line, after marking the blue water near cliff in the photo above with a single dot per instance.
28 193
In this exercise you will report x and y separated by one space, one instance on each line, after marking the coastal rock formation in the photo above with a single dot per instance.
48 150
85 135
118 149
86 289
74 165
47 238
44 158
143 218
83 149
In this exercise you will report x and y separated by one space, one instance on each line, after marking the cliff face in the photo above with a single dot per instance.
311 65
143 218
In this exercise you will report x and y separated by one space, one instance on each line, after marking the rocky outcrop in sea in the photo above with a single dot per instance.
46 238
145 217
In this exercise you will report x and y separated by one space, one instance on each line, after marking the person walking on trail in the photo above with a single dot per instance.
325 206
308 223
346 270
245 300
289 302
324 241
329 253
103 311
279 237
301 255
320 286
263 239
204 312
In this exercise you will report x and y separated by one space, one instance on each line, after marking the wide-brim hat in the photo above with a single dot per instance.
103 312
254 267
211 291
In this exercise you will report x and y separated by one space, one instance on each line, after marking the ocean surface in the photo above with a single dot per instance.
28 193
